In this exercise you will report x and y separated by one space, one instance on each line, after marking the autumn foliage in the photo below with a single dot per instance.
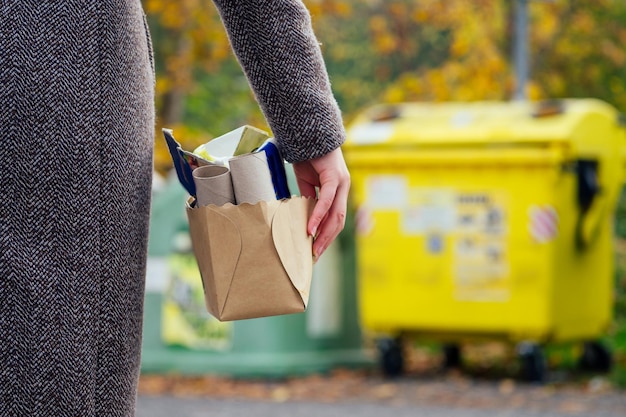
392 51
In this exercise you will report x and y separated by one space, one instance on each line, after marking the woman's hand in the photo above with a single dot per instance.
330 174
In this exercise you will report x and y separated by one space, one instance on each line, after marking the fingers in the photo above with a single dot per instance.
306 189
333 222
330 174
322 207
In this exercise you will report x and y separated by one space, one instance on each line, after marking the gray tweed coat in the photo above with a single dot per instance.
77 128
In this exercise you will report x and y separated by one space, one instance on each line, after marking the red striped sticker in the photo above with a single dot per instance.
543 223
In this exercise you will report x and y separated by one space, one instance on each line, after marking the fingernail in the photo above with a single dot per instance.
314 231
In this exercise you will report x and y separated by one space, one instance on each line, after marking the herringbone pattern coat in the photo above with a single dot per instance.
76 132
76 113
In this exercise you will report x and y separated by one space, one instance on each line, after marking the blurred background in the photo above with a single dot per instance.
391 51
381 52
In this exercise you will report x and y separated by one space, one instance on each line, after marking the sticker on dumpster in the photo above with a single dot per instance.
429 210
543 223
435 243
481 265
186 321
481 213
481 269
386 192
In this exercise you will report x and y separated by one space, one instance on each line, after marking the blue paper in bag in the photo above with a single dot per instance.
181 163
277 168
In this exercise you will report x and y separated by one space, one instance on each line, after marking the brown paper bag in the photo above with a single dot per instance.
255 260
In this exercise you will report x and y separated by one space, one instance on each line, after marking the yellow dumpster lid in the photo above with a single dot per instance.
451 123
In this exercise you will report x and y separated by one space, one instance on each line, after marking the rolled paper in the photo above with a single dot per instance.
252 179
213 185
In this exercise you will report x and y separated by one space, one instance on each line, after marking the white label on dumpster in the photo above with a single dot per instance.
386 192
461 119
370 133
364 221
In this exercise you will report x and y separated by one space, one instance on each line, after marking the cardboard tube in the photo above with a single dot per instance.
252 179
213 185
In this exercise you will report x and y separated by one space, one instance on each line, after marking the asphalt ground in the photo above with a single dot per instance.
347 393
165 406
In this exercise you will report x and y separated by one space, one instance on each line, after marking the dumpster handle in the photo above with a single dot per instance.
592 202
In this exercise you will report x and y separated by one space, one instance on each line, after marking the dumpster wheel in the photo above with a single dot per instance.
452 357
595 357
391 356
532 362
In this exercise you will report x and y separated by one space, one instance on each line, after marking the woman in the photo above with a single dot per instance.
77 120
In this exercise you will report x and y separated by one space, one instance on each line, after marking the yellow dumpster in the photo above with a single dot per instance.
487 219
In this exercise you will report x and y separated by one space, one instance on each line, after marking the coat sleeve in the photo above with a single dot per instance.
281 57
